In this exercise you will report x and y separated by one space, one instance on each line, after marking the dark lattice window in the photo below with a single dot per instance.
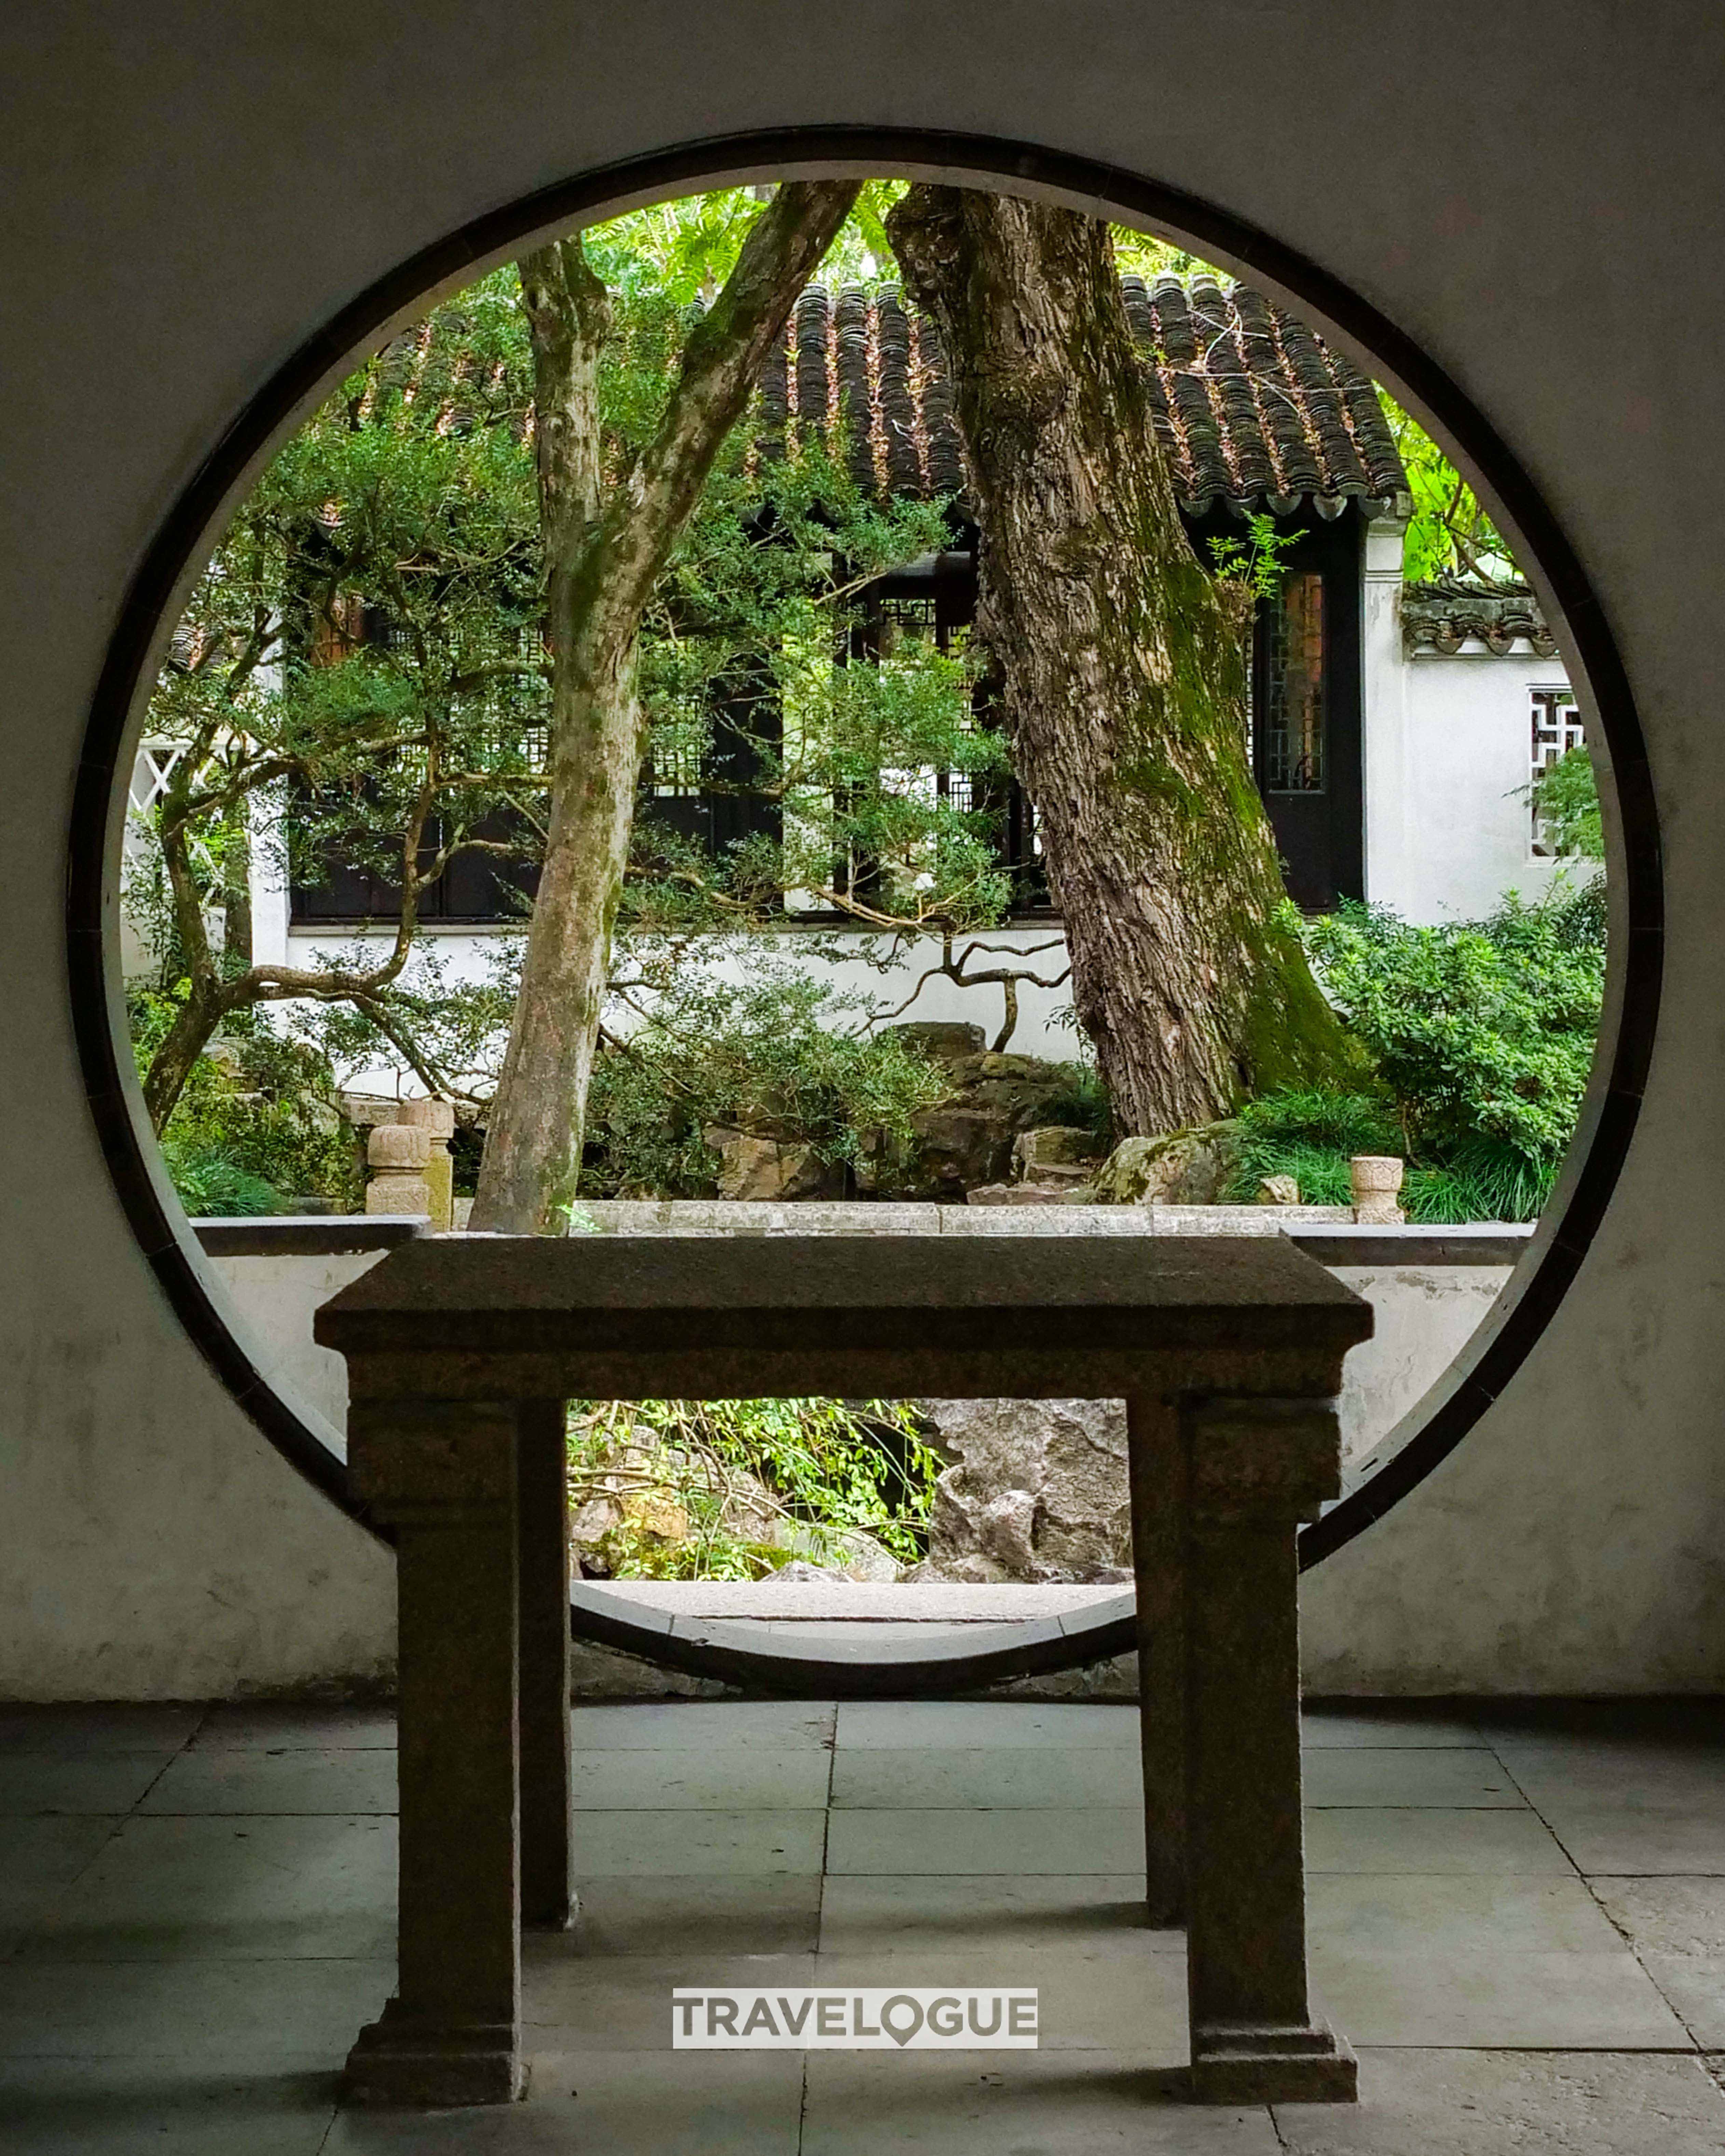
1292 718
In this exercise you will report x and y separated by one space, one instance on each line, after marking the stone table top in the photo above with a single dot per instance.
601 1314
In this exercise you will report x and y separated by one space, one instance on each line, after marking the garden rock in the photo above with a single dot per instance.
1036 1490
1180 1167
1279 1190
1056 1152
758 1169
942 1040
966 1140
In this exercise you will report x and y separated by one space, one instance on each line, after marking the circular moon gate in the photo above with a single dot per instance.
191 527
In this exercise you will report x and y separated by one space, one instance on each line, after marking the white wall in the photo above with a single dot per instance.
464 955
1456 729
193 189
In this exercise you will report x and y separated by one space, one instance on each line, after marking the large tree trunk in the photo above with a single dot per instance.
1121 668
605 553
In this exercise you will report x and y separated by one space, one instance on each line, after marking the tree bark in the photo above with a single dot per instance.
1121 666
605 551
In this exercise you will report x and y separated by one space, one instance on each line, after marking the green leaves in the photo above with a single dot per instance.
751 1483
1566 796
1483 1031
766 1049
1449 533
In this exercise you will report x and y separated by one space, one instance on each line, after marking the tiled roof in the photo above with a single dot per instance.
1253 406
1443 615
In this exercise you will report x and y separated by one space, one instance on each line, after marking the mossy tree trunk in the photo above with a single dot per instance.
606 547
1121 668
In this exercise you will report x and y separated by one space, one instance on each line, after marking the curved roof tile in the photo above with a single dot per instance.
1251 404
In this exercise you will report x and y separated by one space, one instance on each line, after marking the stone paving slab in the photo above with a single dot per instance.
623 1845
36 1784
72 1732
198 2011
1631 1835
969 1725
696 1724
189 1980
670 1913
1331 1726
727 1778
247 1889
282 1781
1097 1839
875 1915
706 2103
987 1780
275 2106
1493 1912
1443 1779
1017 2103
275 1728
1426 2103
39 1859
1677 1926
1409 1840
1547 2001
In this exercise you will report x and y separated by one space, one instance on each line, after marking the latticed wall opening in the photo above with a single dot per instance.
1556 726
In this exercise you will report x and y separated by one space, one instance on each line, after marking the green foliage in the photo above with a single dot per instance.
733 1489
1312 1137
1566 796
1449 534
1482 1036
776 1054
257 1126
211 1185
1257 561
1483 1030
1085 1105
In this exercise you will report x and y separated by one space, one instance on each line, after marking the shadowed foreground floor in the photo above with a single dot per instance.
1518 1920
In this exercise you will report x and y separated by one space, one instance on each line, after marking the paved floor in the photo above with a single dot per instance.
1519 1922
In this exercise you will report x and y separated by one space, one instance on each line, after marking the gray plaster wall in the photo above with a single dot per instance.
193 188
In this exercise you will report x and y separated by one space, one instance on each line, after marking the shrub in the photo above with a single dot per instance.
751 1483
1482 1035
213 1185
257 1124
767 1057
1482 1031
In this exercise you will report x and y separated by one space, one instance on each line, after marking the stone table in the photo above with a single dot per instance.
460 1354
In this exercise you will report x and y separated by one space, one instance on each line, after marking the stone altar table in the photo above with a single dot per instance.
460 1354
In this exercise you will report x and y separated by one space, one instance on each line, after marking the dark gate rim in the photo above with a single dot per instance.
187 528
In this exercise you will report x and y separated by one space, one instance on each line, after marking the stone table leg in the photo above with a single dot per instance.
1156 1459
1256 1469
443 1474
547 1889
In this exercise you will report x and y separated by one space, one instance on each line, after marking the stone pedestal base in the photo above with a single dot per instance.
1244 2065
403 2058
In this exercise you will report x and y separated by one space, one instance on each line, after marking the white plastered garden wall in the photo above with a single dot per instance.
194 188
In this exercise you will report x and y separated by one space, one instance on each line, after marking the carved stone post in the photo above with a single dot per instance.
547 1889
1156 1462
1258 1468
398 1154
443 1474
436 1119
